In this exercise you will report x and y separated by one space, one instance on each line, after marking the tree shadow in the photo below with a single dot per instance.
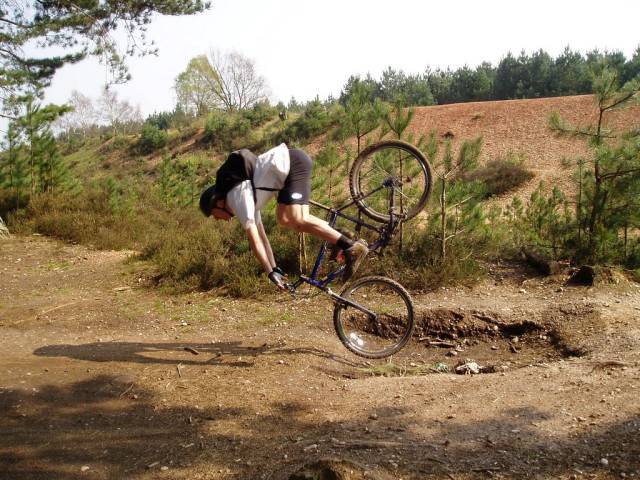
122 432
55 431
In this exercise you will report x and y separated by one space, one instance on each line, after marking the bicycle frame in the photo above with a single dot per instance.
385 231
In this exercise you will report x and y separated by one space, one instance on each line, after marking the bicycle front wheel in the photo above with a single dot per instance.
390 159
381 321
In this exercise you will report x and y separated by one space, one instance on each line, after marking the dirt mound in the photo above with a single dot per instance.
458 324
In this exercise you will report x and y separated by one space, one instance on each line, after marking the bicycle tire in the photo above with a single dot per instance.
393 326
376 207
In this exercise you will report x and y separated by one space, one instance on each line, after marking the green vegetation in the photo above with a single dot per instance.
524 76
121 183
601 224
152 138
390 369
499 176
29 29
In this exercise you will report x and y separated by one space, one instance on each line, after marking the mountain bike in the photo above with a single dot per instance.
390 183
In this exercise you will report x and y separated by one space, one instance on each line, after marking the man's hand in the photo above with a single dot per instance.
278 278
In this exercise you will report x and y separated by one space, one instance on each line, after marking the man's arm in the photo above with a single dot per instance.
267 244
261 251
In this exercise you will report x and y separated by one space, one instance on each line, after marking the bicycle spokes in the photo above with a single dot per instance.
395 160
378 320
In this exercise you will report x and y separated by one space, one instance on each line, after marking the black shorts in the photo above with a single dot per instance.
297 186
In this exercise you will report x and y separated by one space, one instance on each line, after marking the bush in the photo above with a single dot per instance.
151 139
501 175
202 255
109 214
259 114
113 144
161 120
315 119
71 143
419 265
228 131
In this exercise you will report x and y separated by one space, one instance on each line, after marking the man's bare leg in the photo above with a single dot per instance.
298 218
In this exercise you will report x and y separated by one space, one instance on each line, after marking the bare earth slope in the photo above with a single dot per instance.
521 126
104 378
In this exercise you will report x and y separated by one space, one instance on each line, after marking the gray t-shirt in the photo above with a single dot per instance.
272 168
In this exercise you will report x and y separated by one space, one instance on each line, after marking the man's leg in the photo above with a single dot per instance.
298 218
293 212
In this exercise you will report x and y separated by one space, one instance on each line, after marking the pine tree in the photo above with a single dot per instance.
606 202
458 211
166 181
13 168
329 177
54 174
39 143
362 113
81 28
397 120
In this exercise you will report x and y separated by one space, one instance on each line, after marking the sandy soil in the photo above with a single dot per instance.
95 381
519 127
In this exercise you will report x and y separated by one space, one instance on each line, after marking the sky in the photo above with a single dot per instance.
305 48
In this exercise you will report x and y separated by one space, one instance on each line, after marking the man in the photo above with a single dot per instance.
243 189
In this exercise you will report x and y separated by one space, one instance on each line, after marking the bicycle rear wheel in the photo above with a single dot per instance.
390 159
386 325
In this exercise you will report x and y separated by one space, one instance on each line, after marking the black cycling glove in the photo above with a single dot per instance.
278 278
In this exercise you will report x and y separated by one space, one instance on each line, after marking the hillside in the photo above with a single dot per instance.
520 126
509 126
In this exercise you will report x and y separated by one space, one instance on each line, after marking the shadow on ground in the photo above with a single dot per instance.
185 353
120 431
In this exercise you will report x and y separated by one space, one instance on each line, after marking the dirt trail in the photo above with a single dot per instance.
96 382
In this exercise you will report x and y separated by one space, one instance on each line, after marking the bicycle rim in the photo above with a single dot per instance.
391 159
383 334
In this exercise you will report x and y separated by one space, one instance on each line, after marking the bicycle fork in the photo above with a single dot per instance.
344 303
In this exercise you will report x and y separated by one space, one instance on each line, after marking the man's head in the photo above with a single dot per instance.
220 212
211 204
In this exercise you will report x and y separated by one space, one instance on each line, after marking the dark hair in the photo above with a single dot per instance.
208 200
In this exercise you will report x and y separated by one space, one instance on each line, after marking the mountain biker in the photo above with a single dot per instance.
286 173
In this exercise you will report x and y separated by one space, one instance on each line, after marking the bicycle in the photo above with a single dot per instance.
390 183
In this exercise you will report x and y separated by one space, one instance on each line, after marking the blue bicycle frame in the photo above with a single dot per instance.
386 233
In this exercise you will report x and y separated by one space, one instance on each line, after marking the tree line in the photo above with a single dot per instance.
515 77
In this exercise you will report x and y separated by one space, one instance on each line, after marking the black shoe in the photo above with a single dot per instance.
353 258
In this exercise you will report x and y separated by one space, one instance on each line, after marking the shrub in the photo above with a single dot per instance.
315 119
110 214
71 143
151 139
224 130
259 114
200 255
501 175
215 127
113 144
161 120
